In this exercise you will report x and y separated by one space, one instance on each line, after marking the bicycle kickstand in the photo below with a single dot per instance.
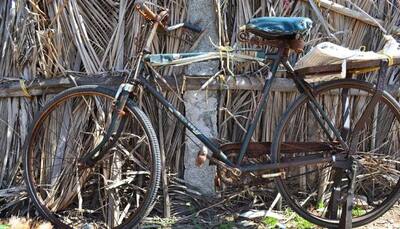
347 207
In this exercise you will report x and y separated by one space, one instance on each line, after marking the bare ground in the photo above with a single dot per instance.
390 220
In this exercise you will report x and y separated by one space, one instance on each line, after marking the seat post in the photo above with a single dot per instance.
285 54
262 103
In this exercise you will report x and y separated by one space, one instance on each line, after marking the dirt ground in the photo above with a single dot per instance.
390 220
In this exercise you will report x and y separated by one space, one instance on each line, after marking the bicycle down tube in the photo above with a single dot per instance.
209 144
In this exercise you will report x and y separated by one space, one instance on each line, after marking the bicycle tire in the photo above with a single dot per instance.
301 198
95 99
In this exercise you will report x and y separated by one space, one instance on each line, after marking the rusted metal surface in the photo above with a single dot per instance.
201 158
259 148
149 15
145 11
258 154
226 178
295 44
289 162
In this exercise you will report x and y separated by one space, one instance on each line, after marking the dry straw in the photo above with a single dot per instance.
45 39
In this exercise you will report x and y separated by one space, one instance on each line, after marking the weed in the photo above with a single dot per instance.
270 222
297 221
358 211
228 225
321 205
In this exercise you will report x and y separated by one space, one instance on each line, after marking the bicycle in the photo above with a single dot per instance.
92 154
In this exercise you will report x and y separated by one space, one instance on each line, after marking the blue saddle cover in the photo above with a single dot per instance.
279 27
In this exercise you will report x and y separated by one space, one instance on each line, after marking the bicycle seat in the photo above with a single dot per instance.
279 27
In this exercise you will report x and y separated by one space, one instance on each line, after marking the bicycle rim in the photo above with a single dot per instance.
115 193
307 189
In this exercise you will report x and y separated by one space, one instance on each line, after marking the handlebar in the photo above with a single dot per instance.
145 11
162 18
194 28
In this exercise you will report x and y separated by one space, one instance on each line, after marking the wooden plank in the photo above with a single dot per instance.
55 85
234 83
48 86
51 86
337 68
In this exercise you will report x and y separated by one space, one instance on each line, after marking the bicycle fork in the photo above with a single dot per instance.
118 120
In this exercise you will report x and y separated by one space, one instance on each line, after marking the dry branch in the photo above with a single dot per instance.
338 8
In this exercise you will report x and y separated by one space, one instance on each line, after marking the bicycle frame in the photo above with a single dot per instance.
277 59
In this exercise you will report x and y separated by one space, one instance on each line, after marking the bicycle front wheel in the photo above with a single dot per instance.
308 189
119 190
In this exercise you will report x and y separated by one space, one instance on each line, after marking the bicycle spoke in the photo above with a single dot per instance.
110 193
372 126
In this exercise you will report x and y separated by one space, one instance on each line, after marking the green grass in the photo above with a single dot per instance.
358 211
228 225
298 222
270 222
2 226
321 205
302 223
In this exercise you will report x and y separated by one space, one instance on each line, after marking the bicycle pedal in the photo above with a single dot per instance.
201 157
273 175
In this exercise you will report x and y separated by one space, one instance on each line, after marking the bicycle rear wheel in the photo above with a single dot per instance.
119 190
308 189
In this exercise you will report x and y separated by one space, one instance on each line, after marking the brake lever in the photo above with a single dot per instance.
193 27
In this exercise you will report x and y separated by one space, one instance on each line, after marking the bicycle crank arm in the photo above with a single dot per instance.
202 156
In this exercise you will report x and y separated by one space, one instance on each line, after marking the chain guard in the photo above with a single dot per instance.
256 154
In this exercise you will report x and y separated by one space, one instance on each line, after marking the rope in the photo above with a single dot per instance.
390 58
24 89
224 49
372 69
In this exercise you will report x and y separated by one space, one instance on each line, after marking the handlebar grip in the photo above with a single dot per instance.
192 27
145 11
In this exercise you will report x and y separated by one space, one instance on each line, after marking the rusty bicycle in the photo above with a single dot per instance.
107 168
